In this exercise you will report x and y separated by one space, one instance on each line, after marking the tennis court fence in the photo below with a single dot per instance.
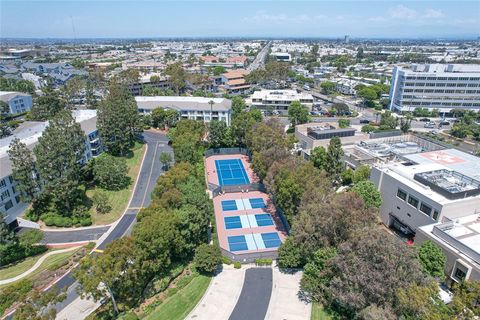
227 151
239 188
249 257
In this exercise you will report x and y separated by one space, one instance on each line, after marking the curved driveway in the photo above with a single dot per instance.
149 173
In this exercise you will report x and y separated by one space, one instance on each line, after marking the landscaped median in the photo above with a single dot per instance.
118 199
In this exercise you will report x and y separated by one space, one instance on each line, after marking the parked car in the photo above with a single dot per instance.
444 123
364 121
306 87
424 120
430 125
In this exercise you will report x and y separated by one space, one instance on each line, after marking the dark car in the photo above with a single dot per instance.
364 121
444 123
425 120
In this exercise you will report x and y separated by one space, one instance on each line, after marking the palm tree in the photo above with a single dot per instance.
211 103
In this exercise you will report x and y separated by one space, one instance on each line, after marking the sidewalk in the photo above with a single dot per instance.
285 302
78 309
221 296
36 265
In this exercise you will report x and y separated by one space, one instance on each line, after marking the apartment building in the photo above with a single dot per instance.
420 189
227 62
194 108
233 82
280 100
18 102
28 133
460 242
160 82
435 86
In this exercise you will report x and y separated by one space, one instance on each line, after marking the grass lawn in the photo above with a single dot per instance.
178 306
51 263
118 199
19 267
318 313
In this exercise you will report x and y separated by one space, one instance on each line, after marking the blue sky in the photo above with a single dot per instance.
108 18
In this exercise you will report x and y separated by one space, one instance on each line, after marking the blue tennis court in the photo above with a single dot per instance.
231 172
237 243
263 220
257 203
271 240
233 222
229 205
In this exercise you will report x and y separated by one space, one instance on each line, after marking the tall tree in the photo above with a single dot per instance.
319 157
334 166
47 105
110 172
23 170
118 120
369 193
432 259
72 89
59 152
178 76
217 131
297 113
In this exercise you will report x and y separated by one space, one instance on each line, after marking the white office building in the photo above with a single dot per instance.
18 102
194 108
460 242
435 86
424 188
280 100
28 133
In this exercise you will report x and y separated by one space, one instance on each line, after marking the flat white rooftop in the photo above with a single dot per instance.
289 95
462 234
452 159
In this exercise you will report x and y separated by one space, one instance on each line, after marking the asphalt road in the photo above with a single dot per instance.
255 296
91 234
260 58
151 170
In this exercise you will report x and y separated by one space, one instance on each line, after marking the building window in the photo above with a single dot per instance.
3 183
402 194
435 215
459 274
413 201
8 205
5 194
425 209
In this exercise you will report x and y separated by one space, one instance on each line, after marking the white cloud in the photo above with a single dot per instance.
433 14
262 16
402 12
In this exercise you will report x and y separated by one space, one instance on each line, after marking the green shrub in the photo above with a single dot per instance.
207 258
15 292
170 292
237 265
226 260
263 262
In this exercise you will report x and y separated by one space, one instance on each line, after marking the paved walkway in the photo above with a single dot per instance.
284 302
221 296
36 265
242 294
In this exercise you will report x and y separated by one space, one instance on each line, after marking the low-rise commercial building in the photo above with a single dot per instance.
233 82
280 100
460 242
194 108
424 188
18 102
445 87
311 135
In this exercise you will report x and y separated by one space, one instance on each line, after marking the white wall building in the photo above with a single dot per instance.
279 100
428 187
28 133
460 242
194 108
18 102
435 86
